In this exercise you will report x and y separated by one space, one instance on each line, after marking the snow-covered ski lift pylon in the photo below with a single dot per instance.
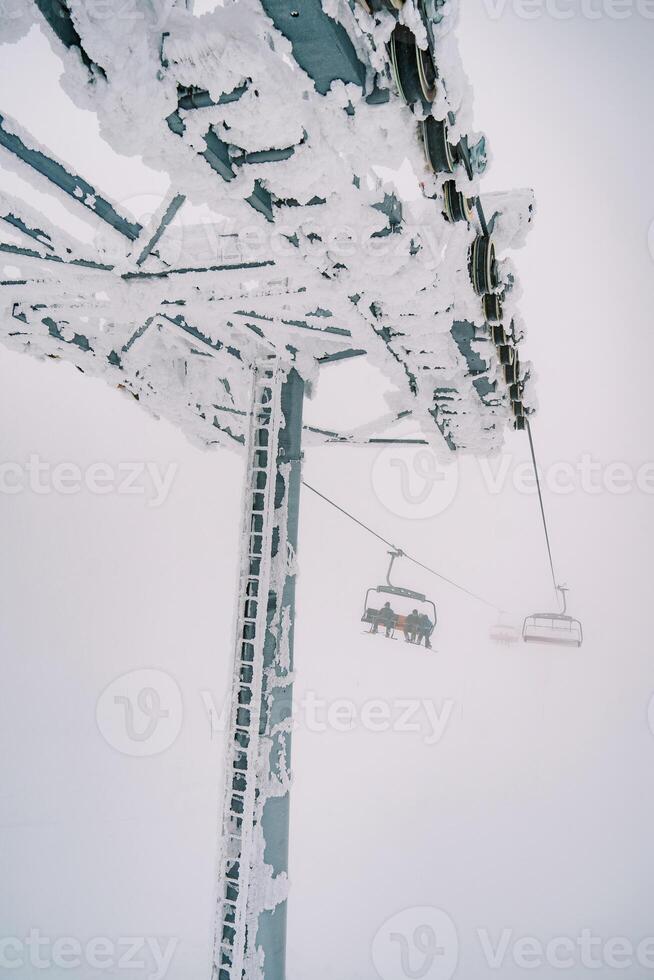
224 346
254 861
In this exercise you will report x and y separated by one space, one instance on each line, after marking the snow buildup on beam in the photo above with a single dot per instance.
16 20
269 886
385 263
24 226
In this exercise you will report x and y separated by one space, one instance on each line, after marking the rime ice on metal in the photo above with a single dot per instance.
277 119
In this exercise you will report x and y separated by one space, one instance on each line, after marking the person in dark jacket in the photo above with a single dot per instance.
385 618
424 630
411 625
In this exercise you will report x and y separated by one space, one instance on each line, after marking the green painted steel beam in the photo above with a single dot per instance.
216 345
340 355
59 19
168 216
217 154
137 334
165 273
29 253
264 156
194 98
54 331
321 46
74 186
37 234
463 333
78 340
261 200
346 440
302 324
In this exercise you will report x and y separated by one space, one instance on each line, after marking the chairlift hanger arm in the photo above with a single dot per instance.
395 553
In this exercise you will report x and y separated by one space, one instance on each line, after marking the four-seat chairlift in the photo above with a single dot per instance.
558 628
402 603
503 632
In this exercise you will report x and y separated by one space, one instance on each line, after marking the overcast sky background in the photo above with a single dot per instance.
534 810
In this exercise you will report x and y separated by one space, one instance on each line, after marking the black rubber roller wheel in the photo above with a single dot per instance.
482 265
519 422
427 73
456 206
492 307
439 152
404 63
506 353
498 334
518 409
512 371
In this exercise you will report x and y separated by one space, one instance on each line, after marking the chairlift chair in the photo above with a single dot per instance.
372 609
558 629
504 633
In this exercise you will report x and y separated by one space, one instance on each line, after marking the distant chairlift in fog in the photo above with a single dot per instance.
402 603
555 628
504 633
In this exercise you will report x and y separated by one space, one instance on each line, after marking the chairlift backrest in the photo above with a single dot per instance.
396 590
555 628
504 633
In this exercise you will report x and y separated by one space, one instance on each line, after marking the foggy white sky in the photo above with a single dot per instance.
534 810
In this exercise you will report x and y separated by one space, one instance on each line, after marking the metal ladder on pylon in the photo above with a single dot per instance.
243 747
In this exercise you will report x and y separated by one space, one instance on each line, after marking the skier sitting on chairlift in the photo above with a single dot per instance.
411 626
385 617
424 629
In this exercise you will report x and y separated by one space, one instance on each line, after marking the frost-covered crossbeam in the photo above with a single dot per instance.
280 117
